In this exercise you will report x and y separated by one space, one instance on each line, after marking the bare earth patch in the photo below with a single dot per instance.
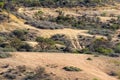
54 62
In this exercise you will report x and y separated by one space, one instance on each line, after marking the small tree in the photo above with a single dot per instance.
21 34
16 43
45 43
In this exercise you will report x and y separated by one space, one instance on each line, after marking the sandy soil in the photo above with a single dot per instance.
90 69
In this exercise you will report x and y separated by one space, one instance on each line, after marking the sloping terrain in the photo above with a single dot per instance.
90 69
72 34
97 68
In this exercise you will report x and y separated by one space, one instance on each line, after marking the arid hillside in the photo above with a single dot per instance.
59 40
98 68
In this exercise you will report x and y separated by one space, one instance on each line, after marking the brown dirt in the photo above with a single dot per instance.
90 69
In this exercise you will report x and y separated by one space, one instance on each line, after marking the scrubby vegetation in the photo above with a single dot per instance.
5 55
71 68
58 3
39 74
95 31
18 40
24 73
89 59
45 43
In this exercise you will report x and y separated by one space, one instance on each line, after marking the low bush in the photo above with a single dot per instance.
112 73
20 33
76 51
104 32
21 69
86 51
8 49
104 14
117 48
16 43
101 46
44 24
39 74
114 55
5 55
25 47
71 68
3 17
10 76
89 59
104 51
45 44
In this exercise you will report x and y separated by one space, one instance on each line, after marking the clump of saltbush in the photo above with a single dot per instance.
89 58
117 48
5 55
104 51
72 68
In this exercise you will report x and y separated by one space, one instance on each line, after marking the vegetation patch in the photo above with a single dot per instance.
117 48
22 72
39 73
72 68
95 79
5 55
89 59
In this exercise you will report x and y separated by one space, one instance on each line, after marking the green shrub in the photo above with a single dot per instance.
25 47
114 26
104 32
5 55
89 59
86 51
117 48
101 46
103 14
104 51
39 74
20 33
45 43
2 39
71 68
76 51
2 4
8 49
39 15
45 40
65 20
40 12
16 43
10 76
